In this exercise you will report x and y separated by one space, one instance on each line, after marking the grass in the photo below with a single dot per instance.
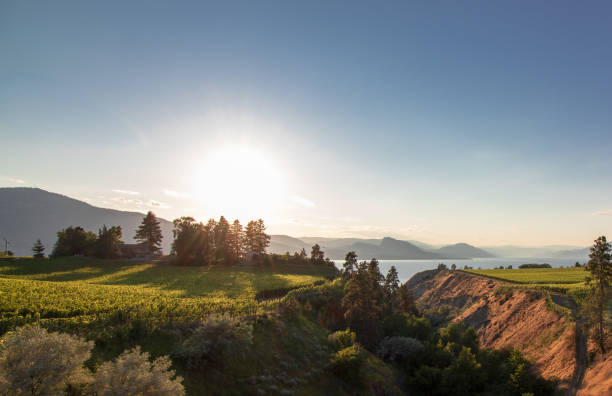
569 281
85 292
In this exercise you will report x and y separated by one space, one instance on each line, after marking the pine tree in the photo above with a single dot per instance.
350 263
256 240
317 256
222 249
391 288
236 241
405 300
150 233
599 281
38 249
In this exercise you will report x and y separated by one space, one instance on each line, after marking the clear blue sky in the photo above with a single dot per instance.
476 121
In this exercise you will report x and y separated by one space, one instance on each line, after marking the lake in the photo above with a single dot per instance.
407 268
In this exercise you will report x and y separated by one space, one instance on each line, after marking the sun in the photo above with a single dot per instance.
240 182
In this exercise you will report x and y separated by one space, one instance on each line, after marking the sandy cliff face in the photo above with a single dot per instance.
598 377
505 319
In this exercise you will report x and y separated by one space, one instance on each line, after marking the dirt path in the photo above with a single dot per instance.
580 342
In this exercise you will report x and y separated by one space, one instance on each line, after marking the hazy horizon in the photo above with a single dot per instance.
459 122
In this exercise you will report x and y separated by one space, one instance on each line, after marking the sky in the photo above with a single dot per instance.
475 121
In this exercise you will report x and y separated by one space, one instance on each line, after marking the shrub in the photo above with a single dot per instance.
405 325
397 349
132 373
347 364
216 339
35 362
342 339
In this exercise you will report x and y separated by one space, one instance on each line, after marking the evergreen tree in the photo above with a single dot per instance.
38 249
236 241
221 235
256 240
362 302
405 300
317 256
599 281
150 233
350 264
391 288
303 254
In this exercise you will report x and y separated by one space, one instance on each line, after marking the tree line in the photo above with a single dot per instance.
196 243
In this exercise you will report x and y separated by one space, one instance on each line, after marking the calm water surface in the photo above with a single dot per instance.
407 268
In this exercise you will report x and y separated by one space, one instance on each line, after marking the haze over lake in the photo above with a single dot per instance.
407 268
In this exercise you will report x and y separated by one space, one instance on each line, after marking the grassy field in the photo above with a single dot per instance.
86 292
564 280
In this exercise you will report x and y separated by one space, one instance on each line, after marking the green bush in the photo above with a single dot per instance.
397 349
214 341
347 363
405 325
342 339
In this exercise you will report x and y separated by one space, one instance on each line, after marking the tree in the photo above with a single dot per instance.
221 234
34 362
362 302
405 300
188 240
38 249
317 256
391 288
149 232
256 240
73 241
106 244
453 267
350 263
599 281
236 241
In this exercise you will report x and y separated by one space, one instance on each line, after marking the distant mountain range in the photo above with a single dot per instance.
30 213
384 249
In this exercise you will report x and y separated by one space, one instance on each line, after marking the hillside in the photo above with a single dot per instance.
507 317
30 213
384 249
464 250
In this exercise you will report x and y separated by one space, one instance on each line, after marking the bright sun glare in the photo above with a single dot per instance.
240 182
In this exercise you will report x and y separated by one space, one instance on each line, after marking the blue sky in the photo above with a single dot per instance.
439 121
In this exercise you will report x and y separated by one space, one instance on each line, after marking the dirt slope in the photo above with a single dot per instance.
598 377
505 318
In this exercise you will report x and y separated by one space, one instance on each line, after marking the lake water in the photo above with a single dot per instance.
407 268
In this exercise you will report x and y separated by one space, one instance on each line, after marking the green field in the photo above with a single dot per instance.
85 292
564 280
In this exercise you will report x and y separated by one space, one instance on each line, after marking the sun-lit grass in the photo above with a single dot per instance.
84 292
563 280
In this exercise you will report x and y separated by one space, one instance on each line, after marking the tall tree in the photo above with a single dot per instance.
405 300
599 283
391 288
236 241
188 240
107 241
256 239
149 232
362 302
38 249
317 256
221 233
350 264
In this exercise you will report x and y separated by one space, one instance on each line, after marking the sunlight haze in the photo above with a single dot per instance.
440 122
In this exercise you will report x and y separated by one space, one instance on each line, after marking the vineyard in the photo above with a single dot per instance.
88 295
